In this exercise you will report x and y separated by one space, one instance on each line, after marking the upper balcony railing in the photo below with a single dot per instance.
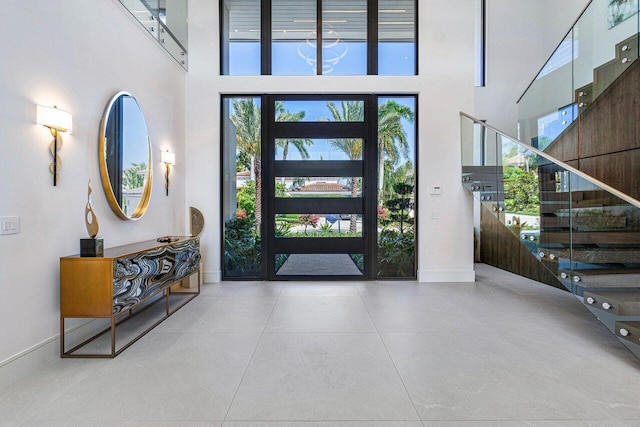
166 21
600 45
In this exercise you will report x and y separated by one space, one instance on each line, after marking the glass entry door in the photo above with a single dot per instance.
319 219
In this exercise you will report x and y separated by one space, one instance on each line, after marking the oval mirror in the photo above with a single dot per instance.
125 157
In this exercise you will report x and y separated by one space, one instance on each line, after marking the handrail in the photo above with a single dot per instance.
554 51
552 159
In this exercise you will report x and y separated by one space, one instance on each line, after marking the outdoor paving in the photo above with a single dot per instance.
319 264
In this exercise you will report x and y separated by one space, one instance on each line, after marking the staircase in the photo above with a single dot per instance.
580 232
560 202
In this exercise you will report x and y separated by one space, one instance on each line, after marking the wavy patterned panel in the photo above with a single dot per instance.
139 276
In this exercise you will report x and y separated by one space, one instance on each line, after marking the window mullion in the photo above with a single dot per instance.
265 38
372 37
319 37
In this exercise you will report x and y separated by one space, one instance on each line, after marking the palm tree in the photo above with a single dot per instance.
134 176
392 138
283 115
350 111
246 118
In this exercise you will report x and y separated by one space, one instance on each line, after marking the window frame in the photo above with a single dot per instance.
266 38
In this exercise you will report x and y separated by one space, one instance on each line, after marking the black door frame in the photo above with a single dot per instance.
367 169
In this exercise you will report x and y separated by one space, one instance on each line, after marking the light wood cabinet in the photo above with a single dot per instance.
124 282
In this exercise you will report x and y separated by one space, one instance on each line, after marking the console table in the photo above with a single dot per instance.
125 282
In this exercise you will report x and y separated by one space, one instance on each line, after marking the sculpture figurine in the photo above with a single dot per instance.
92 224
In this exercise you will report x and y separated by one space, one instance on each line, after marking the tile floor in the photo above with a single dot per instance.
504 351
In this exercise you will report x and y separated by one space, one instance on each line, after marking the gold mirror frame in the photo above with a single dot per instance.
104 172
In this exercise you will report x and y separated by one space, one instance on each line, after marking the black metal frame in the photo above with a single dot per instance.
367 205
482 63
365 168
266 37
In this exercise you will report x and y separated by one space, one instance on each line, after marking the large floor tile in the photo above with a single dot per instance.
322 424
235 315
165 376
451 376
295 377
245 289
533 423
311 288
43 387
93 423
320 314
416 314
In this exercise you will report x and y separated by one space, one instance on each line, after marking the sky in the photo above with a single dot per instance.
289 58
135 145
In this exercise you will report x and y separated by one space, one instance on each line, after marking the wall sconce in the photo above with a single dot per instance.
57 121
168 159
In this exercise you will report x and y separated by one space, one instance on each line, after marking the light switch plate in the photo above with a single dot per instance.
435 190
9 225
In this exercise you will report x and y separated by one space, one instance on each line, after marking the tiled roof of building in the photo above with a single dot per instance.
322 187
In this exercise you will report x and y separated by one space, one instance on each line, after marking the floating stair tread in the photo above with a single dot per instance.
607 271
597 255
481 169
603 280
619 302
631 331
593 237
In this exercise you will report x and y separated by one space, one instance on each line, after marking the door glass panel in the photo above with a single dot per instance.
317 225
319 264
320 111
294 41
344 37
396 191
241 209
319 149
317 187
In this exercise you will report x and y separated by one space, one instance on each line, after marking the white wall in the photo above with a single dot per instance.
444 86
75 54
521 35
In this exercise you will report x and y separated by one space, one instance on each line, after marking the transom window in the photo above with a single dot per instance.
318 37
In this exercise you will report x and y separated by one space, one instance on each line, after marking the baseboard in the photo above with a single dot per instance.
41 354
212 276
447 276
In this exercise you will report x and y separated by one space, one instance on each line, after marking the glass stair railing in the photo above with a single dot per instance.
166 22
598 48
584 232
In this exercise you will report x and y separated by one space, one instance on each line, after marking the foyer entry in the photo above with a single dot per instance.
318 187
321 148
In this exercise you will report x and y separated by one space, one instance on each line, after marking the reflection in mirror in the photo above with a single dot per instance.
125 157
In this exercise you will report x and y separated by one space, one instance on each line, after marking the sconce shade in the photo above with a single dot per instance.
168 158
54 118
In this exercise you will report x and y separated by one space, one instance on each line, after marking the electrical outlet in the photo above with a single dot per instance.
9 225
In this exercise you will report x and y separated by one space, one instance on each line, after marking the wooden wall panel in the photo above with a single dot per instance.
500 248
619 170
611 124
609 130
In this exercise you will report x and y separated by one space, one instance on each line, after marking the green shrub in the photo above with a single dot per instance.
242 251
396 254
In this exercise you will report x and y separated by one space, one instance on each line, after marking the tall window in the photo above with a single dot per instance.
318 37
397 37
291 171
